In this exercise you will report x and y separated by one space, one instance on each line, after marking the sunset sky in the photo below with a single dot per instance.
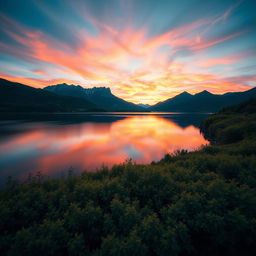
144 50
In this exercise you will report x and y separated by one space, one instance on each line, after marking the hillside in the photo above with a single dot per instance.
100 96
194 204
247 107
15 97
202 102
232 124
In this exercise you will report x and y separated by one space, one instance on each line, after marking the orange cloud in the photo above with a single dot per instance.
206 63
140 68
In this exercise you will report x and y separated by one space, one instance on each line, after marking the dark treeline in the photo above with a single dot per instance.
198 203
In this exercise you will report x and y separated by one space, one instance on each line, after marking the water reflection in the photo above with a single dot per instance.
52 147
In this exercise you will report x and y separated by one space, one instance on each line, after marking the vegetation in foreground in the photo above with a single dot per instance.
199 203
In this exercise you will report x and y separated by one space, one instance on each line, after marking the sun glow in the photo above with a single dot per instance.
138 65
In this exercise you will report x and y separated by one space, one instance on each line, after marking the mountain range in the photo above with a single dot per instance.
16 97
100 96
202 102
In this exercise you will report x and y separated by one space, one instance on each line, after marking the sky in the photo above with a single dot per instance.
146 51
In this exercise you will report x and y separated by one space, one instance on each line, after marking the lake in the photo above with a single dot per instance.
54 143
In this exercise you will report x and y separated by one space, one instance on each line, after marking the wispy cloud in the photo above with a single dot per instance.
141 67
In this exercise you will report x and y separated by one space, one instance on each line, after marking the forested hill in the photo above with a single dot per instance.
194 204
247 107
232 124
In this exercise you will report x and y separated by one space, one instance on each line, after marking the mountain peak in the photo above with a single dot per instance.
182 95
204 93
73 87
98 91
185 93
100 96
65 85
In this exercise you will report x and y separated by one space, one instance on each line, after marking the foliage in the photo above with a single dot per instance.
232 124
189 203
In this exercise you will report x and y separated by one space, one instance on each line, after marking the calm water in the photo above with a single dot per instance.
52 143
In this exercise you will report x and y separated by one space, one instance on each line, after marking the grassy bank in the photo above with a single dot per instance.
198 203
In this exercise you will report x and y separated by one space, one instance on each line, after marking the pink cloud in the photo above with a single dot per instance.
135 63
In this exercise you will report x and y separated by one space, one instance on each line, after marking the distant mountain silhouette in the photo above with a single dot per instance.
202 102
172 102
144 105
100 96
15 97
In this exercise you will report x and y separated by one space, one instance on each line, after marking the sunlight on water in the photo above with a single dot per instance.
53 148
